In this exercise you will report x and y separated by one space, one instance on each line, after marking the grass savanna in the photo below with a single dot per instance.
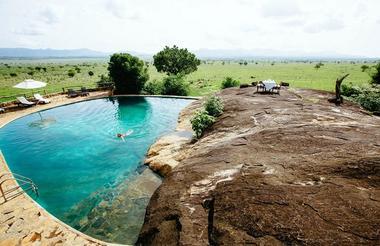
57 73
205 80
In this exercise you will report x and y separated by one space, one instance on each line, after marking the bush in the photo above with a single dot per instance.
175 85
369 101
153 87
229 82
350 90
91 73
200 122
214 106
105 82
31 73
13 74
376 75
128 72
71 73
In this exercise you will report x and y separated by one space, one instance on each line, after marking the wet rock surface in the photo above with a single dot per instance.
273 170
116 214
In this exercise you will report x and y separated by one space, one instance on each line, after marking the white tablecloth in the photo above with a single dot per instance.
269 84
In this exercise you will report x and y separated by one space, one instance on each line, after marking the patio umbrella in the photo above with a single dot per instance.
30 84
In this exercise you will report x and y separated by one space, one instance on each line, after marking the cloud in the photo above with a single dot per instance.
119 9
49 16
29 31
293 22
283 8
324 25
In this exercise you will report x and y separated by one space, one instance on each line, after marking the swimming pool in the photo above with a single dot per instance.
74 156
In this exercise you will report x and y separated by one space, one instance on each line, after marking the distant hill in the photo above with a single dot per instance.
215 54
48 53
234 54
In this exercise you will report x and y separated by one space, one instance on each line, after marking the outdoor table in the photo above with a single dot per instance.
269 84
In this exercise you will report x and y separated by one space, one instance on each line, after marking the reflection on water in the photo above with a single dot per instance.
83 171
43 123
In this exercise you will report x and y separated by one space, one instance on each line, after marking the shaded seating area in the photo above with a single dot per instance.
72 93
23 102
84 92
41 99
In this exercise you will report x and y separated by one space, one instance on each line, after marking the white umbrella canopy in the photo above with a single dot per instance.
30 84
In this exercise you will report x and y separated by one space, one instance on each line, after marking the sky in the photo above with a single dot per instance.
347 27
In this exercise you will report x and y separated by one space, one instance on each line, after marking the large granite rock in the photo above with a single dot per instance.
273 170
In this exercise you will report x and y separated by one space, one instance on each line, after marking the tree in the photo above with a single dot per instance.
128 73
338 99
174 61
91 73
318 65
376 75
364 68
71 73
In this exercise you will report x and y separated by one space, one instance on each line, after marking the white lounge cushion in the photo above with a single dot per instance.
24 101
41 99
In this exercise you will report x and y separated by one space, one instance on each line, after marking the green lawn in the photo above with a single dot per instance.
204 81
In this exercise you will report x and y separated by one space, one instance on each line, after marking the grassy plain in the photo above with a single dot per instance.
202 82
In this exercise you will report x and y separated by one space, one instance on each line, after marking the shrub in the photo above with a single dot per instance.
376 75
214 106
350 90
229 82
91 73
71 73
128 72
175 85
13 74
369 101
153 87
104 82
200 122
31 73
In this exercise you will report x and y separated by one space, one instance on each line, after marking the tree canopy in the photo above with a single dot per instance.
174 61
128 73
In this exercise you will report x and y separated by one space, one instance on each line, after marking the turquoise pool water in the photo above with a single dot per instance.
73 152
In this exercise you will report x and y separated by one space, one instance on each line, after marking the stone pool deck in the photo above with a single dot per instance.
23 221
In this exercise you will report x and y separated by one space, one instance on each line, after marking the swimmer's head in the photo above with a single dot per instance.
119 135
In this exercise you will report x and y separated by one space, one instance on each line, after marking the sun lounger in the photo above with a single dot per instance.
22 101
40 99
2 110
84 91
72 93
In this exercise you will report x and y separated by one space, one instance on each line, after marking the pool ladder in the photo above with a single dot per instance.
12 185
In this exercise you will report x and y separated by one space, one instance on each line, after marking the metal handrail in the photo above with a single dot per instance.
22 184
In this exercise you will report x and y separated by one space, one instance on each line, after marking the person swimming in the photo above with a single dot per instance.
123 135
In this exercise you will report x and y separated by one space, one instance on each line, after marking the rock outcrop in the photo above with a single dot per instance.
273 170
